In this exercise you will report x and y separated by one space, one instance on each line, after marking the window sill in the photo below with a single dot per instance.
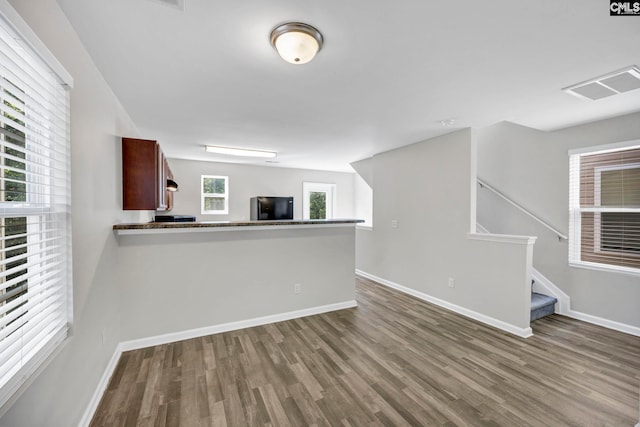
605 268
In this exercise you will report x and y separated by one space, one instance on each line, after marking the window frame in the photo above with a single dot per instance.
319 187
224 196
597 215
576 210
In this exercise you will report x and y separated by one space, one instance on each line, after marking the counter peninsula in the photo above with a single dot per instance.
182 280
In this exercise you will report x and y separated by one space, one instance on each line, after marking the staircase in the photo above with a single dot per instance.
541 305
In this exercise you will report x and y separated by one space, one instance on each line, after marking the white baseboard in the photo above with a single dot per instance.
232 326
545 286
194 333
507 327
610 324
564 307
102 387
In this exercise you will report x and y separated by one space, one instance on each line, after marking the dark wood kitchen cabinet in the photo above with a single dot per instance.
145 171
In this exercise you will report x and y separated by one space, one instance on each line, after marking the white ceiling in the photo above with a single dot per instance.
389 71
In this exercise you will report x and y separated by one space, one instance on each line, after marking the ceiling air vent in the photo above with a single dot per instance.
619 81
176 4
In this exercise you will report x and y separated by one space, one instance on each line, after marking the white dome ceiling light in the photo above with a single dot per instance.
296 43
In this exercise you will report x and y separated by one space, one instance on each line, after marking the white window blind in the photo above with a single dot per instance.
35 274
605 208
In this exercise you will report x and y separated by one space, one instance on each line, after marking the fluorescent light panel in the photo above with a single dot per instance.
242 152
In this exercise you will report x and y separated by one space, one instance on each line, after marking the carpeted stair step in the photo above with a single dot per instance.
542 305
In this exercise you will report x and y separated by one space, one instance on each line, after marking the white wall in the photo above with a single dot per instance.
246 181
59 396
363 191
427 187
363 201
532 168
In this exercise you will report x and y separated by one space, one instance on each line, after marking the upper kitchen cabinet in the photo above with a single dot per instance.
145 171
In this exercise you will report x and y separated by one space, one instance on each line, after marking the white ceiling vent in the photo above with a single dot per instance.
610 84
176 4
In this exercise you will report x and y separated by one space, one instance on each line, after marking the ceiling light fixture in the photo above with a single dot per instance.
296 43
242 152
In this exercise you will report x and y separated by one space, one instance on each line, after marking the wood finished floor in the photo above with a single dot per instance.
392 361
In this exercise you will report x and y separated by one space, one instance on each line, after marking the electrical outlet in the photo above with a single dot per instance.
394 223
297 288
452 283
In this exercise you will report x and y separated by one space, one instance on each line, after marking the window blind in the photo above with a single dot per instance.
605 208
35 274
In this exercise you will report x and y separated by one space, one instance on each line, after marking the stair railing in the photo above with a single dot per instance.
483 184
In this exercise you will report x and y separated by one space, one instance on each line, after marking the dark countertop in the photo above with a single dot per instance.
230 224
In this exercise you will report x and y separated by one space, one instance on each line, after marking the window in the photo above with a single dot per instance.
605 208
215 195
318 200
35 237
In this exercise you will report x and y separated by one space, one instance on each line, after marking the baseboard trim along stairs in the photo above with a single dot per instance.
563 307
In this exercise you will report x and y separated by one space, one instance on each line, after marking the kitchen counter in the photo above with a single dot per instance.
182 280
206 226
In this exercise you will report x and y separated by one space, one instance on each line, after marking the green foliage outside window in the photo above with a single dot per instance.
317 205
213 185
214 203
214 194
13 230
15 189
